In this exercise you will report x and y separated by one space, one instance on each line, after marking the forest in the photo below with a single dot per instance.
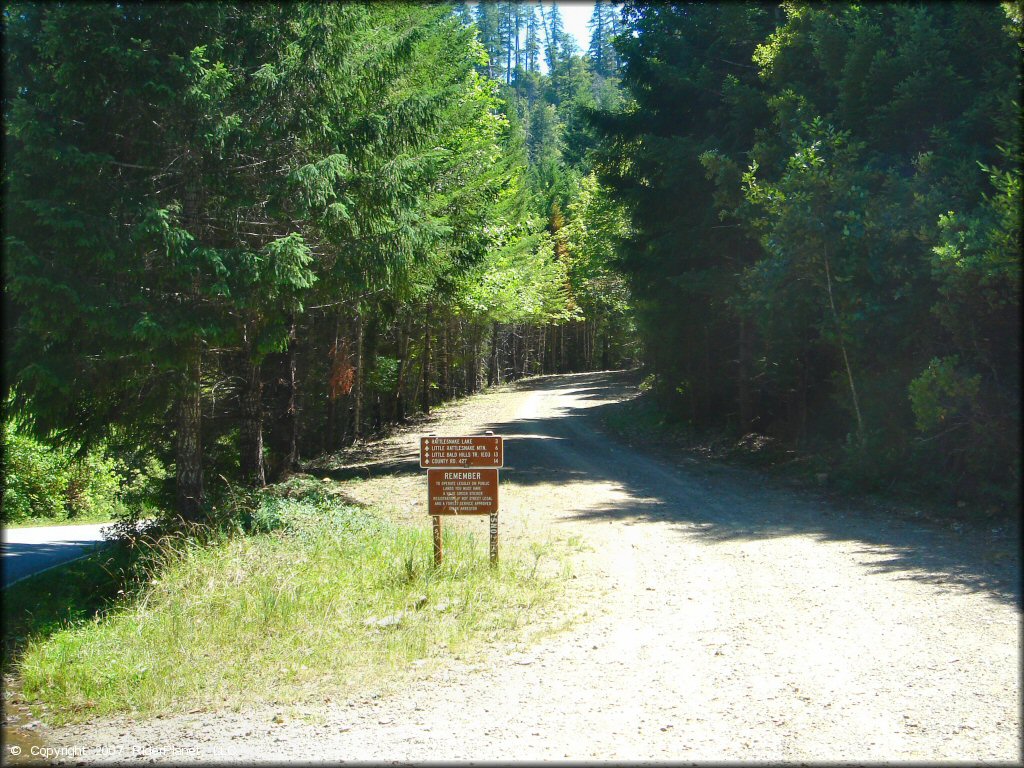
238 236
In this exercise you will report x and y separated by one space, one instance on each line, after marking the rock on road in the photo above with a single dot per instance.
726 620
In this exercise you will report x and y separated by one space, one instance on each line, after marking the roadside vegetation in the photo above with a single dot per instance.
319 597
824 249
47 484
821 466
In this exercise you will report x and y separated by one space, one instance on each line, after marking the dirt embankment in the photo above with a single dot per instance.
715 619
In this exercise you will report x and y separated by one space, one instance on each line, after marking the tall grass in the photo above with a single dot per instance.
332 597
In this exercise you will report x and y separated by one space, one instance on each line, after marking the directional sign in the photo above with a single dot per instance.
477 451
462 491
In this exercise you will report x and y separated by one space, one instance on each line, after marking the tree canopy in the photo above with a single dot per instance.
825 241
243 235
234 232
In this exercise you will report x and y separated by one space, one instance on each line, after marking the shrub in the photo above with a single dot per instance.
42 482
35 479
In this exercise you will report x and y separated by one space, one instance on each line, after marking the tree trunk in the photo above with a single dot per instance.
515 352
403 365
580 356
291 458
251 428
842 348
542 349
345 412
188 443
492 372
802 424
524 364
478 333
743 377
333 438
425 391
468 358
188 447
587 362
707 389
357 389
446 359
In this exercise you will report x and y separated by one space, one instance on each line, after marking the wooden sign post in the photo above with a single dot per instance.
462 479
493 528
438 551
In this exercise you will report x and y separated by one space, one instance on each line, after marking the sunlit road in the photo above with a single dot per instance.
30 550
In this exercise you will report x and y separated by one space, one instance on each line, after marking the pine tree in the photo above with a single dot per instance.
554 34
508 31
281 150
532 44
106 219
602 30
489 23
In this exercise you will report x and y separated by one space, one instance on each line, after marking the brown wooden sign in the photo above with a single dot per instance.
462 491
475 451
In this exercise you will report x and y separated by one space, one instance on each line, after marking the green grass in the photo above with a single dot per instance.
283 615
42 605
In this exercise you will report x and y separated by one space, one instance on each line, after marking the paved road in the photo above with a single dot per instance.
30 550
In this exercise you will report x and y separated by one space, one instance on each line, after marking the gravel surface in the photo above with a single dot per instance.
716 618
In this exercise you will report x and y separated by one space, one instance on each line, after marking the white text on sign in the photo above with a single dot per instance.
462 492
475 451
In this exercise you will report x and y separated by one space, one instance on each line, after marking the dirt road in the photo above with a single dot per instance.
725 620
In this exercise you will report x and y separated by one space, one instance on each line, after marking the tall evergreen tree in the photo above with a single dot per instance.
489 24
811 192
602 29
554 34
690 93
279 147
532 43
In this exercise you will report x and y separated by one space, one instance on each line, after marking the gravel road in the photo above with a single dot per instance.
718 618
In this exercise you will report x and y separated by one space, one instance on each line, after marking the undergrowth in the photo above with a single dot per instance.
868 473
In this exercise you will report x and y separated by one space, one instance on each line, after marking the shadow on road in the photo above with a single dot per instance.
23 559
721 503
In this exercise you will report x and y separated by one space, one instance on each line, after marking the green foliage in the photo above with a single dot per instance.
942 395
690 93
596 228
197 198
821 203
519 281
41 482
384 376
35 478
